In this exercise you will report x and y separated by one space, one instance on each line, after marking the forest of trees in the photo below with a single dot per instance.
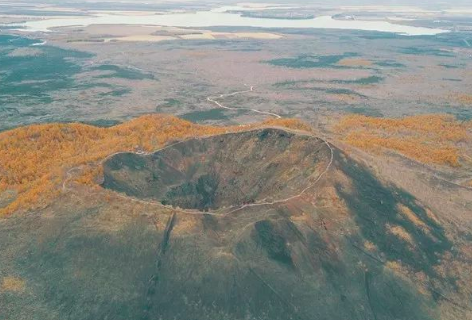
35 159
432 139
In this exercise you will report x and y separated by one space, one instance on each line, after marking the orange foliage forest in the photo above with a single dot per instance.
432 139
35 159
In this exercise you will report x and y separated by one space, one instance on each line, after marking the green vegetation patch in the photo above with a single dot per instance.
212 114
114 71
292 83
365 111
312 61
361 81
31 78
342 91
454 39
102 123
376 35
448 66
389 64
116 92
427 51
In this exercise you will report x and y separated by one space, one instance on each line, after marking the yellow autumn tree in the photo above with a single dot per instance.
35 159
432 139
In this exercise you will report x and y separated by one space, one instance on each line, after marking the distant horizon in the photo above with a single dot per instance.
436 3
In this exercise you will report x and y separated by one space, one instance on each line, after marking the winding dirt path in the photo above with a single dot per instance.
251 89
232 209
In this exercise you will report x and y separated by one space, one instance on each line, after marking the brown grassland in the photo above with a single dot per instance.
430 139
36 158
12 284
465 99
355 62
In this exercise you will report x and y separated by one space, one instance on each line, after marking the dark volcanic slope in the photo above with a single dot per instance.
351 247
221 171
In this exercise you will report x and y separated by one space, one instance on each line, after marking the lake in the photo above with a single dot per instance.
222 17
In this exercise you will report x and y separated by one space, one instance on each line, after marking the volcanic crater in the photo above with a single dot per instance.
221 171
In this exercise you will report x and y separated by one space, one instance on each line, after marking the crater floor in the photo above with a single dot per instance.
221 171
